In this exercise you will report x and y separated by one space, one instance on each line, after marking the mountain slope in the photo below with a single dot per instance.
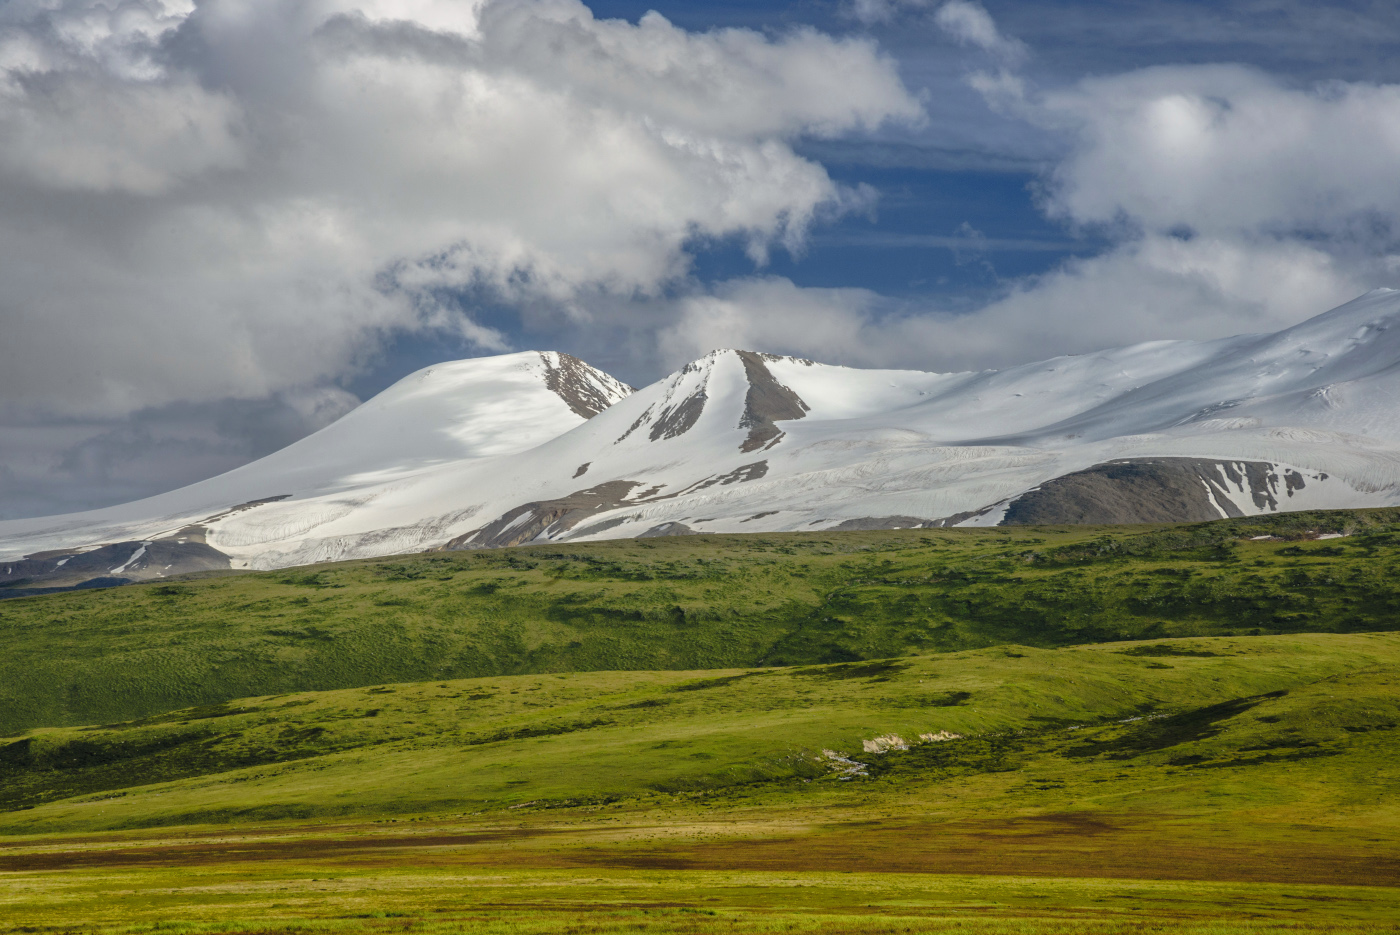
446 415
540 447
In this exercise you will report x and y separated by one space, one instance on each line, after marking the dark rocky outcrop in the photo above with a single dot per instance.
881 522
529 520
667 529
1151 490
556 517
766 402
680 418
108 565
576 384
114 563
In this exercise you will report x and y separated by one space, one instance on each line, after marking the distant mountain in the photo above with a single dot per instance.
535 447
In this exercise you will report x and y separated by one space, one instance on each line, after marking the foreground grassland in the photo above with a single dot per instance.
435 895
1215 785
1036 732
686 603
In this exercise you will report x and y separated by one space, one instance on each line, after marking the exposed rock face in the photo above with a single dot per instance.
767 402
882 522
530 520
108 565
670 417
179 553
551 519
680 418
586 391
667 529
1152 490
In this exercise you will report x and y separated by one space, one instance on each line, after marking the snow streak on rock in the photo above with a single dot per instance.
1158 490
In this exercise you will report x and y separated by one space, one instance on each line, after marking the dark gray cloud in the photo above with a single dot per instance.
60 466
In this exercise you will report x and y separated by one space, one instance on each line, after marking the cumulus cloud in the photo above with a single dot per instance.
1227 148
971 24
774 314
1155 287
965 21
1236 202
235 198
1151 288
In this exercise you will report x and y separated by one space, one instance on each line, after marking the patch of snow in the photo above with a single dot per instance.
134 556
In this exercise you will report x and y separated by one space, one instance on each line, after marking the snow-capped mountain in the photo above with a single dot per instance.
541 447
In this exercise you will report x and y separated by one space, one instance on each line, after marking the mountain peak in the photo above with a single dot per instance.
586 390
739 382
538 446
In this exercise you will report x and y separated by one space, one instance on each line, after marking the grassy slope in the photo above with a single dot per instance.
1261 721
1221 785
686 603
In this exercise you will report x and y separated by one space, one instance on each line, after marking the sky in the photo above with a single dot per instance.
225 223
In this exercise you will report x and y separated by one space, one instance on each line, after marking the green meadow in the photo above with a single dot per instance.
696 602
1068 730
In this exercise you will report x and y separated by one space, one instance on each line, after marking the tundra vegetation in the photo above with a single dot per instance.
1029 730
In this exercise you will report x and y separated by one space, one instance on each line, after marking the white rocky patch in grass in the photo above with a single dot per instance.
885 744
844 765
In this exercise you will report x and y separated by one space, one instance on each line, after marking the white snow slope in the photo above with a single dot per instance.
483 452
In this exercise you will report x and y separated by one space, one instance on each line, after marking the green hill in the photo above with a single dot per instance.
1063 731
1261 721
685 603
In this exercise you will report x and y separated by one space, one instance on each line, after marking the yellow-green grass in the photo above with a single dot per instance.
343 896
681 604
1302 722
1221 785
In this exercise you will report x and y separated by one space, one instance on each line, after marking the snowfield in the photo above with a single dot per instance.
535 447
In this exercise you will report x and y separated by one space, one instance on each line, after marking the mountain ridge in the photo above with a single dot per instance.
539 446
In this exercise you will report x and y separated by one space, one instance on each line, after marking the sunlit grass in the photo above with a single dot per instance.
683 603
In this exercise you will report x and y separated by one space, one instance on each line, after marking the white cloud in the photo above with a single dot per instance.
1237 204
1224 148
772 314
883 11
1154 288
971 24
238 197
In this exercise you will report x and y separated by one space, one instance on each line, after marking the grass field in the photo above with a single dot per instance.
1052 731
684 603
1214 784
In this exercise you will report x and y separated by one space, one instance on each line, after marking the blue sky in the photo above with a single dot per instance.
219 232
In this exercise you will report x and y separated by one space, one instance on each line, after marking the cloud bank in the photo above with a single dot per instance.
1234 201
237 198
